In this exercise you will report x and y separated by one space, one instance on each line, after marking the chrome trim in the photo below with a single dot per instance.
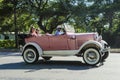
105 49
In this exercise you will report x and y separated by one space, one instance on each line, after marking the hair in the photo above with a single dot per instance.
31 29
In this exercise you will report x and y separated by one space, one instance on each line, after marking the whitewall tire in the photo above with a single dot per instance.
91 56
30 55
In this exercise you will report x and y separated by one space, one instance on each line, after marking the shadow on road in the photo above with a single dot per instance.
5 54
52 64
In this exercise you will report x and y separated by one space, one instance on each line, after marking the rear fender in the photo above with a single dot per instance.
35 45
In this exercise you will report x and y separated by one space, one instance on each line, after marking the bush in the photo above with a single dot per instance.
7 43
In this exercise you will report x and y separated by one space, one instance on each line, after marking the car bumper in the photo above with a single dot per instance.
105 50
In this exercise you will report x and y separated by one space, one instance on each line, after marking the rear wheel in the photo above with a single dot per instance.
91 56
30 55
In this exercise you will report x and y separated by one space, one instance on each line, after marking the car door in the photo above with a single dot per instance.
72 42
59 42
42 41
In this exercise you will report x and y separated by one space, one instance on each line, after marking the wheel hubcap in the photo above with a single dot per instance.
91 56
30 55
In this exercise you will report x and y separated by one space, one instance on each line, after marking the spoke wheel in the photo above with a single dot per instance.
91 56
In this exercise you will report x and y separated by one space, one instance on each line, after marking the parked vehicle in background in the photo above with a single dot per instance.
89 46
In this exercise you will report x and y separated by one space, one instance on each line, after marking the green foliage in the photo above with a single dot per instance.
84 15
49 13
6 21
7 43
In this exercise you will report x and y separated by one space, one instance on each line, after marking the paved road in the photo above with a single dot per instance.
12 67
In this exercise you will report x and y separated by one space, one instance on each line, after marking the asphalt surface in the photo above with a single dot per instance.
12 67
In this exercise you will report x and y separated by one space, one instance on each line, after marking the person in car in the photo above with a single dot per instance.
38 32
33 31
59 31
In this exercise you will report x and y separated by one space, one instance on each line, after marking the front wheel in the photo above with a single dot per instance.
91 56
105 56
30 55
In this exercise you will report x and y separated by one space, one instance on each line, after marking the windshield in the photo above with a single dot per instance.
69 28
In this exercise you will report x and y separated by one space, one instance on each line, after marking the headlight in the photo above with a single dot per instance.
106 45
96 36
99 38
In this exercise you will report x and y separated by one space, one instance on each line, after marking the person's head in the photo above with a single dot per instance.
32 29
59 29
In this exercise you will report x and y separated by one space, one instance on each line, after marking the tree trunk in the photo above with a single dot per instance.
42 27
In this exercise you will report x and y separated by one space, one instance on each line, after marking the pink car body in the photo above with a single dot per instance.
61 42
87 45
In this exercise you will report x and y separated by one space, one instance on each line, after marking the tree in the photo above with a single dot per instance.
5 15
48 14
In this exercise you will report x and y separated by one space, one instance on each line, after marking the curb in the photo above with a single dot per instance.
9 50
115 50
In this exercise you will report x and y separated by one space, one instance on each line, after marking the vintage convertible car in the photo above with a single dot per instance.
90 46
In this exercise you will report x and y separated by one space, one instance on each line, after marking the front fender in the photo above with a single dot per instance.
35 45
106 47
103 43
90 43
